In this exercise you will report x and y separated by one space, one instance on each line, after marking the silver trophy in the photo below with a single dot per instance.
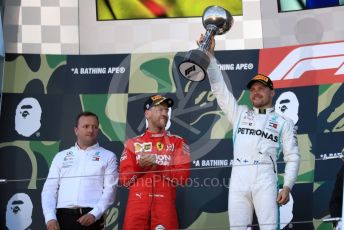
216 20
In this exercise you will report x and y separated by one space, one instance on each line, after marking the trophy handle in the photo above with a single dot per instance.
211 31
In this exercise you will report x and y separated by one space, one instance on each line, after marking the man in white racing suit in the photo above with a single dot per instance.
259 136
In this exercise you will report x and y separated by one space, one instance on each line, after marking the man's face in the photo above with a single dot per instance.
168 125
157 116
87 131
261 95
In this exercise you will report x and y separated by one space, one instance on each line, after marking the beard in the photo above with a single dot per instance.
159 124
261 102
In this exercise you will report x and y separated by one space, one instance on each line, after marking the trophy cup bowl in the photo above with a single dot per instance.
216 20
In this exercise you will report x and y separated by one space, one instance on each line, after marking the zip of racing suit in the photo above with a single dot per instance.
152 190
258 139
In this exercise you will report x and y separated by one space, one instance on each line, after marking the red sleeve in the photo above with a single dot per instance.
179 170
129 170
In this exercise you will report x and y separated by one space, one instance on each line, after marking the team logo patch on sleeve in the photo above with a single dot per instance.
124 156
186 149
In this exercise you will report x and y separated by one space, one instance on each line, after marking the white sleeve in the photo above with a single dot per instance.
291 154
109 188
225 98
50 188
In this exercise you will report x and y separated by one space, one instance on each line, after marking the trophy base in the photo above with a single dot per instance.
195 65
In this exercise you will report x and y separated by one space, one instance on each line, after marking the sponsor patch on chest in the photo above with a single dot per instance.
143 147
258 132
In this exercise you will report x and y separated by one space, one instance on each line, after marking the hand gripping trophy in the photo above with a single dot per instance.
216 20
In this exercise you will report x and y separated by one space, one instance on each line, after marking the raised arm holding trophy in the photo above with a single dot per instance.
259 134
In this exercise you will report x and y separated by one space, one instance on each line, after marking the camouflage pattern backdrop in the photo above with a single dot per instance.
43 94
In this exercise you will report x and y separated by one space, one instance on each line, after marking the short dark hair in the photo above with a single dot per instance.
85 114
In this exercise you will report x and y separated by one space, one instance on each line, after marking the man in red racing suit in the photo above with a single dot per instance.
151 166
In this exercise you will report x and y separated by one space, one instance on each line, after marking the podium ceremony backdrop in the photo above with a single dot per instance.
42 95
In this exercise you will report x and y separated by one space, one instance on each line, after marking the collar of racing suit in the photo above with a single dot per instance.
263 111
151 134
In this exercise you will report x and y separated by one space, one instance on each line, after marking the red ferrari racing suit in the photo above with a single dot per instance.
152 190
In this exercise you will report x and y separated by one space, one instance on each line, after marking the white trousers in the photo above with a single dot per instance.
253 188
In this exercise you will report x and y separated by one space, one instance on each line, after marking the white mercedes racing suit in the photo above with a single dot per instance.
258 139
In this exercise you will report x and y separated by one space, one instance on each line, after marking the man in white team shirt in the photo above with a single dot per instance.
259 136
82 180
